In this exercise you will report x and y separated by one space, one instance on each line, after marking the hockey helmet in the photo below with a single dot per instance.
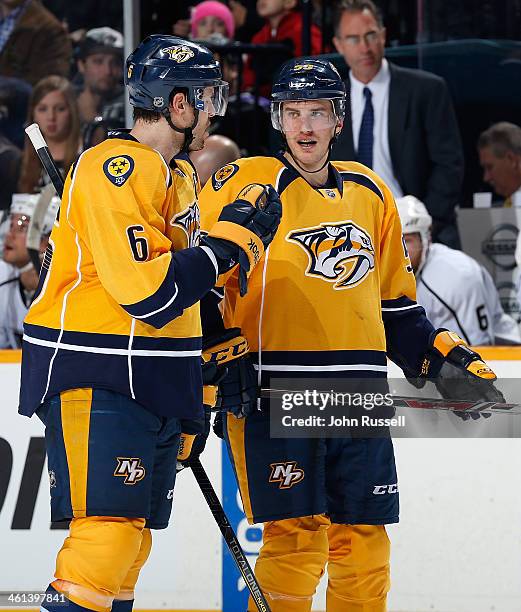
24 204
161 63
308 78
415 220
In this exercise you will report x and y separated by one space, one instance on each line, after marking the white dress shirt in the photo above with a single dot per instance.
379 87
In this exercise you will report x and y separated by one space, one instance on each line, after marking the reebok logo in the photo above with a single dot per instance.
130 469
254 250
286 474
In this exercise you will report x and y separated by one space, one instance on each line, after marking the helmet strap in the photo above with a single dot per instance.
188 131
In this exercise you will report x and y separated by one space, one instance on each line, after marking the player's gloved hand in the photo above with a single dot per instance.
193 439
244 230
238 389
464 375
195 432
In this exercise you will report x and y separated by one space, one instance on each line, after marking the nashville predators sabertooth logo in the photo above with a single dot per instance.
286 473
340 253
188 221
179 53
130 469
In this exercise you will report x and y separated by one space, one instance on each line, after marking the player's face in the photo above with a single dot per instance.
308 126
53 116
210 25
102 72
200 131
15 250
502 173
414 247
361 41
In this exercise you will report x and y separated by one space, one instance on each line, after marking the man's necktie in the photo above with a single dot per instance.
365 137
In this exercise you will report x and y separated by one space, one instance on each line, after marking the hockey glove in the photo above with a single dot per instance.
195 432
193 439
238 390
244 229
464 375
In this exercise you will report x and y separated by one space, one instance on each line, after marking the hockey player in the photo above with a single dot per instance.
333 296
112 342
18 278
455 291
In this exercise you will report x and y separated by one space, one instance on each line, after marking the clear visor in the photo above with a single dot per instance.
212 99
303 116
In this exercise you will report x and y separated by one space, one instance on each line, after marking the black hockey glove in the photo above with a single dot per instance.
237 388
463 375
244 230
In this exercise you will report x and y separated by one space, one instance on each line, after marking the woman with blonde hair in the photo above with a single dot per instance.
54 108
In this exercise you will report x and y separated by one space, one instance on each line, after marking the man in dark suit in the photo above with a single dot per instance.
402 121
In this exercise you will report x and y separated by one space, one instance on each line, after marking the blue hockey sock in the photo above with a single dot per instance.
58 602
122 605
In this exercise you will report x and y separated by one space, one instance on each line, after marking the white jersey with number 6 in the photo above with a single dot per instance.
459 294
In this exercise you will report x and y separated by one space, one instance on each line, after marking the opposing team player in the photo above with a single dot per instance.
112 342
333 296
456 292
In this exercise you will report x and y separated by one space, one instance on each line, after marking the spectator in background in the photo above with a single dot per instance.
247 20
455 290
53 107
14 99
283 24
100 64
10 159
403 123
499 150
18 278
212 18
33 43
217 152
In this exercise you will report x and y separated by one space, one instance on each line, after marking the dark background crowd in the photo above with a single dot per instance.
453 127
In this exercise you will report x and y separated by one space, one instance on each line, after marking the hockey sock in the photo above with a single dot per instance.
56 601
358 568
291 562
122 605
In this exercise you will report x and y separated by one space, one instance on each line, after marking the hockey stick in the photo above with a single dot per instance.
424 403
36 223
228 534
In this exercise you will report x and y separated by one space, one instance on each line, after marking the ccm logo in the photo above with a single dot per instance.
383 489
229 352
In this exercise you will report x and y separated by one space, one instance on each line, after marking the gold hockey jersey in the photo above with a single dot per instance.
117 303
335 271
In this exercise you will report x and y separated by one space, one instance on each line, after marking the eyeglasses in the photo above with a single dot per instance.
369 38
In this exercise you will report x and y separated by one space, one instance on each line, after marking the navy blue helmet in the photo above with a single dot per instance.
161 63
307 78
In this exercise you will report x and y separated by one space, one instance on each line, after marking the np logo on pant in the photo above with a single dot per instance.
286 474
130 469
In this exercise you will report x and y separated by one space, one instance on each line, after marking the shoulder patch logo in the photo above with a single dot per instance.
340 253
223 174
118 169
179 53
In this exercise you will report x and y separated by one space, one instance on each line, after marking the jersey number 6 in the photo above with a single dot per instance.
138 244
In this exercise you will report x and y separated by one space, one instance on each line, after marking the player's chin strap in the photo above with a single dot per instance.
188 131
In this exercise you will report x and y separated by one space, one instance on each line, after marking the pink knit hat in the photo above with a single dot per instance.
216 9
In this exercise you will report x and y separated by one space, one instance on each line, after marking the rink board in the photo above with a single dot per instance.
457 548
